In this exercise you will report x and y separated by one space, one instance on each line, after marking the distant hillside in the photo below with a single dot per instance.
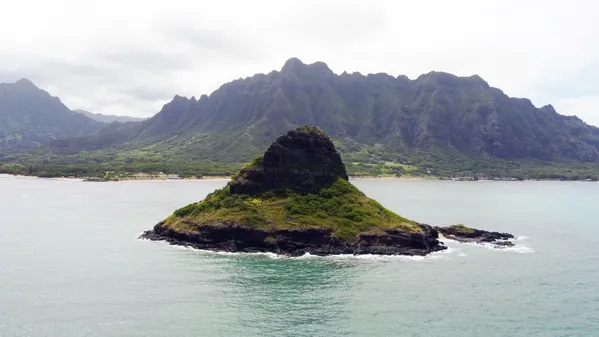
109 118
29 116
437 112
437 123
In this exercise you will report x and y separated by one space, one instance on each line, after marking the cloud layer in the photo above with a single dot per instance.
131 57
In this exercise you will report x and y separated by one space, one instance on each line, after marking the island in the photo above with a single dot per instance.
296 199
465 234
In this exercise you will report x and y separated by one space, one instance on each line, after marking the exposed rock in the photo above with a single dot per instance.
462 233
303 160
231 237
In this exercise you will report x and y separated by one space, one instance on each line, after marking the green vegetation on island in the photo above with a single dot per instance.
463 228
340 206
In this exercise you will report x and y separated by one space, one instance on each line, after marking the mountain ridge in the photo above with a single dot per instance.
30 116
437 123
435 109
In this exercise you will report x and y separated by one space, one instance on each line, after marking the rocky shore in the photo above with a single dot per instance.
465 234
232 237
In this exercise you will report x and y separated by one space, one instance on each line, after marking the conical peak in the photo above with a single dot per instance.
25 82
302 160
296 67
292 64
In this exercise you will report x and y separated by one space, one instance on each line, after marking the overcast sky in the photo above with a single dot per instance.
131 57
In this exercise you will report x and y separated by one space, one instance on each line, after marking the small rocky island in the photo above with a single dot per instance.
462 233
297 199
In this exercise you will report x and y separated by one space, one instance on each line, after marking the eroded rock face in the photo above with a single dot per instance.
233 237
303 160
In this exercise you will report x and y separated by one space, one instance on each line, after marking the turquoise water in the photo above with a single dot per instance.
71 265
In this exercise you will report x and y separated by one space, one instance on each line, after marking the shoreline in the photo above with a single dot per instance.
234 238
230 237
18 176
391 178
226 178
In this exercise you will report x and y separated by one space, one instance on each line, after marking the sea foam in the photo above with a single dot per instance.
517 248
442 254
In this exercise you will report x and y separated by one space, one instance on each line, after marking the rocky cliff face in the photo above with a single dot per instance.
302 160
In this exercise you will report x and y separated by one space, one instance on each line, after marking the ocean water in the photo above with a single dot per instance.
71 265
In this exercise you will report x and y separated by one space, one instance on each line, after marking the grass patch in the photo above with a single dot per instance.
463 228
404 166
341 207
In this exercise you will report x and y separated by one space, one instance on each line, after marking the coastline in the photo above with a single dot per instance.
231 237
83 179
392 178
225 178
217 178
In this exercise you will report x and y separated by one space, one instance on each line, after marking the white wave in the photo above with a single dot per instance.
376 257
308 256
520 249
517 248
522 238
265 254
442 254
384 258
451 241
223 253
215 252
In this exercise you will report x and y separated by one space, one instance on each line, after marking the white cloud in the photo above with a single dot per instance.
130 57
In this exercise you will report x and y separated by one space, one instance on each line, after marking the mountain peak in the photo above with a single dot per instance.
549 108
437 75
297 67
25 83
180 98
303 160
292 64
443 78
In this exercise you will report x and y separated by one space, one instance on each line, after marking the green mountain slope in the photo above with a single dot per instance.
435 110
29 117
437 123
